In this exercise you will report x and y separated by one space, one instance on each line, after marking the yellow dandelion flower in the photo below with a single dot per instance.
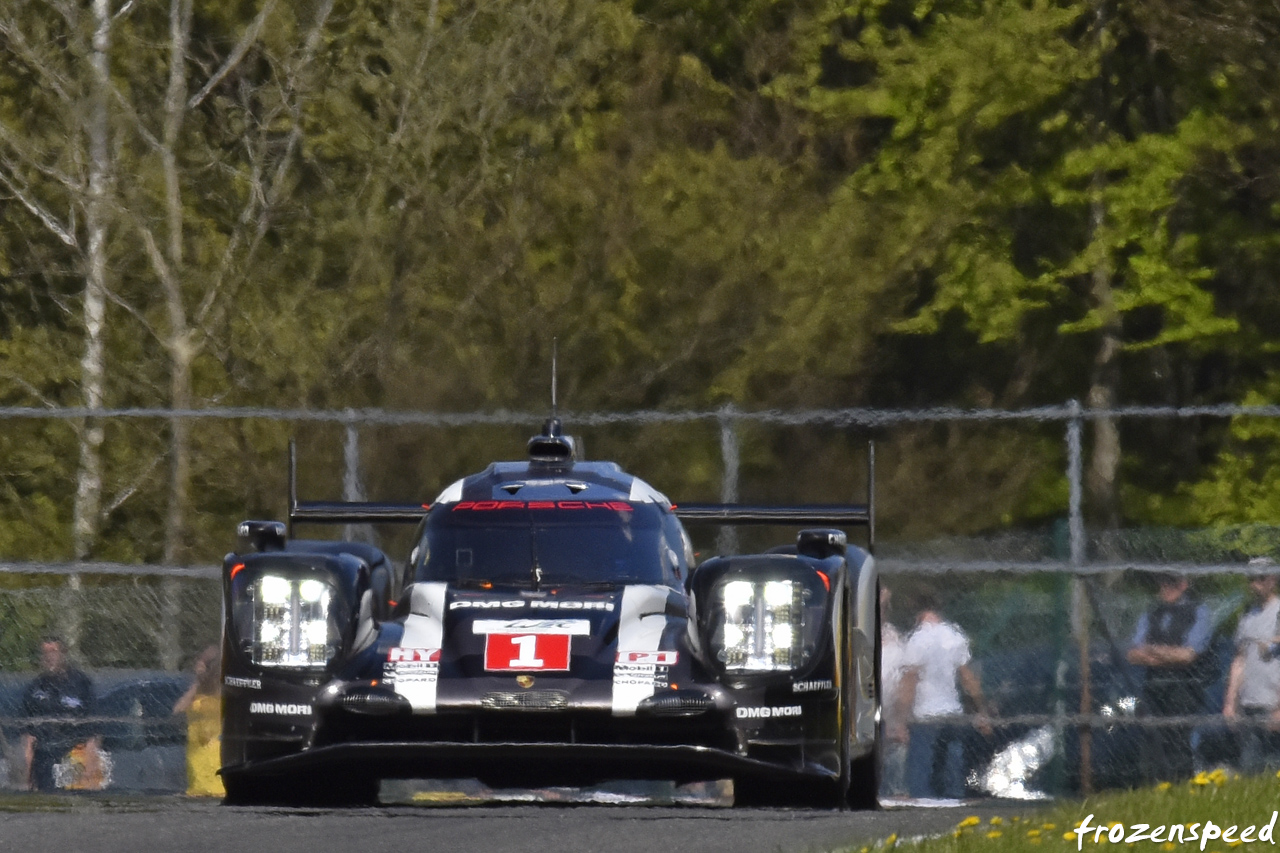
971 820
1070 835
996 821
891 841
1200 778
1164 786
1168 845
995 833
1049 826
1033 833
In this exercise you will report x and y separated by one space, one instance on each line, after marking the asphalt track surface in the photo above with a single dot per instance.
182 825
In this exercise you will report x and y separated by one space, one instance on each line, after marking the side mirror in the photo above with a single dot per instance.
260 536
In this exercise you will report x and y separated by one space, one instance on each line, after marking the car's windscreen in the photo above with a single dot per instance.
545 542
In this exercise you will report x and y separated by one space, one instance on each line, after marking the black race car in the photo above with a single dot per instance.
550 628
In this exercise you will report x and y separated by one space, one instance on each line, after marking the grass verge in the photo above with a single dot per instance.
1213 810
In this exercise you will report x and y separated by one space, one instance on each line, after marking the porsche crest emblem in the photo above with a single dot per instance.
524 680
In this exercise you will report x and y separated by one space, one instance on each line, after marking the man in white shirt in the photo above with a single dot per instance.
1253 684
935 665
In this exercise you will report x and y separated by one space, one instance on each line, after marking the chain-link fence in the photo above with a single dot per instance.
1064 710
133 630
1049 613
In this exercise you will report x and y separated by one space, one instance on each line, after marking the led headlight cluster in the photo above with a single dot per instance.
762 627
291 625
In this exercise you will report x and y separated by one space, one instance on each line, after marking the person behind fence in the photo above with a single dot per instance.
1252 698
202 703
935 667
61 750
1168 646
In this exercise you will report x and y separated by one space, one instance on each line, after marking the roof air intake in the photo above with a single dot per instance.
552 446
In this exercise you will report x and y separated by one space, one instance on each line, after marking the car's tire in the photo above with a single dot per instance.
756 792
863 788
313 790
847 705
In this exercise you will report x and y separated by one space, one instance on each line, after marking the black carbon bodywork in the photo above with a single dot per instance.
546 676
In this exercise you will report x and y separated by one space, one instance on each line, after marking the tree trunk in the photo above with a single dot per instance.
178 343
92 368
1104 460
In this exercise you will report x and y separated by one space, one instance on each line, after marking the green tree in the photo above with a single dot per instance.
1020 162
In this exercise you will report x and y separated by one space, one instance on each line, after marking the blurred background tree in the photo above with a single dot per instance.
895 203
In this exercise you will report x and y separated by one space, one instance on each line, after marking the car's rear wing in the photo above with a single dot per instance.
364 512
836 515
345 512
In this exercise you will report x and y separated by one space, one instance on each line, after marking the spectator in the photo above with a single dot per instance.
202 703
895 728
55 700
1168 644
935 665
1253 682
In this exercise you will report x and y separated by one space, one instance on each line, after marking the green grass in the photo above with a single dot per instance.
1217 797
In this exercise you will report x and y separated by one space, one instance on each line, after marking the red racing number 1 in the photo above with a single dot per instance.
511 652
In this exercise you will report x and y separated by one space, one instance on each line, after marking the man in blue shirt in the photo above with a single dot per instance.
57 700
1168 644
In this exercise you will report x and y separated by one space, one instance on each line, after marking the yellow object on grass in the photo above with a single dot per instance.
204 747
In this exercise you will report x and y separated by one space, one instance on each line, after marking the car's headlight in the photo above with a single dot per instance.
762 626
291 624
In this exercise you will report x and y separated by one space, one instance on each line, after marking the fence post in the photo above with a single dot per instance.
1079 604
72 619
727 540
352 485
1075 480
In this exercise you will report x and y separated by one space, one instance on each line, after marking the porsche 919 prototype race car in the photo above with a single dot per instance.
550 627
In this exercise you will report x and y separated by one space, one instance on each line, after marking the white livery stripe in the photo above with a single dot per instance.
451 495
642 492
640 626
423 629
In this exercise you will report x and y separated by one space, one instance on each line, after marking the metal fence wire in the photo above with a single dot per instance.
1049 614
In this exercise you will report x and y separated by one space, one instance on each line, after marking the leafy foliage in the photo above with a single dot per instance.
800 203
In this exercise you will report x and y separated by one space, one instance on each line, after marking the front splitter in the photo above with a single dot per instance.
545 763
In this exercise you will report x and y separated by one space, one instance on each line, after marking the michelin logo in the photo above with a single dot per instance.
768 712
282 708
